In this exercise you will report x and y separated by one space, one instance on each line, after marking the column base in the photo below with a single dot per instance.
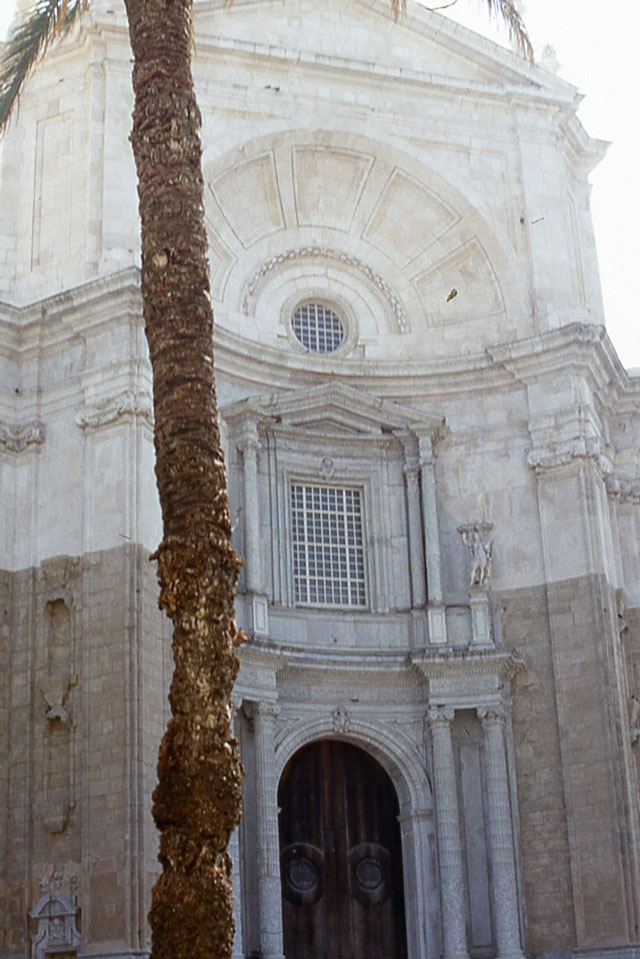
481 632
259 613
436 618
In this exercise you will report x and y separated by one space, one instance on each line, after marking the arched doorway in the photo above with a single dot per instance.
340 856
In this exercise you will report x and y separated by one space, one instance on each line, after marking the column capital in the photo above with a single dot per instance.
440 716
261 710
491 716
248 438
426 451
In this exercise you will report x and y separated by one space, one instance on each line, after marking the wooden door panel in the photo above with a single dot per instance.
341 861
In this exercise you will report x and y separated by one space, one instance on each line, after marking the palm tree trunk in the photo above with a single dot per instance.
197 800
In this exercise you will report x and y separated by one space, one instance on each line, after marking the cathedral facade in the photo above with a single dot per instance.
433 455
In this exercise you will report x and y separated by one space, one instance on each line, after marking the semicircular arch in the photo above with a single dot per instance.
393 750
385 222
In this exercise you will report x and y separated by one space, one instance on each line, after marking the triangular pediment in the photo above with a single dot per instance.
420 42
333 409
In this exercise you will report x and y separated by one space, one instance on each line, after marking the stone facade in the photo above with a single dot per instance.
429 190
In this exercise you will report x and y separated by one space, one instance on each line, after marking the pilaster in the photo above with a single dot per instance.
249 446
264 715
452 888
435 608
501 845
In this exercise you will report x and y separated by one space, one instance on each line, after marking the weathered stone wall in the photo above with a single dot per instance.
577 793
89 663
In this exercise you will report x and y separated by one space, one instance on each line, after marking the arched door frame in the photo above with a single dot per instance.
406 768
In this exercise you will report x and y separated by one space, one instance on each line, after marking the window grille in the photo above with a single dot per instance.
328 547
318 328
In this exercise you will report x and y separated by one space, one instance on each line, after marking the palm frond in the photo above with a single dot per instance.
46 21
506 11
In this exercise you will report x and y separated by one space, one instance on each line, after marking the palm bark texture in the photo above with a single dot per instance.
196 804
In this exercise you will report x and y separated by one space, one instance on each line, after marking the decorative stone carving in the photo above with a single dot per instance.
554 455
327 467
326 253
56 916
55 697
341 719
16 437
623 489
468 669
110 410
475 537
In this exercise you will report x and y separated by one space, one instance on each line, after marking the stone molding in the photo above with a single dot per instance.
127 403
336 256
17 437
391 746
623 489
505 664
361 413
555 455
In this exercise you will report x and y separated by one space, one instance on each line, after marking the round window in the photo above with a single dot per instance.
318 328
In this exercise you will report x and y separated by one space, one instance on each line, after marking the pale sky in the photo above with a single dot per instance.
596 46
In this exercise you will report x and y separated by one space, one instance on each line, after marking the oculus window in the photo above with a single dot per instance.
328 545
318 328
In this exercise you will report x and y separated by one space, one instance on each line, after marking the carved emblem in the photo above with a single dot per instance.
341 719
327 467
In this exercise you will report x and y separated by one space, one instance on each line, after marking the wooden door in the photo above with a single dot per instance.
340 856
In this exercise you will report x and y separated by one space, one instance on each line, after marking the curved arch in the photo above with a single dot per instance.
393 227
393 750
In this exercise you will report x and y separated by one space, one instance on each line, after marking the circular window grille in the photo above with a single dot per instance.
318 328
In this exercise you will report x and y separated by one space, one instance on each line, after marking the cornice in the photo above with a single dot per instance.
80 308
289 412
555 455
583 347
505 664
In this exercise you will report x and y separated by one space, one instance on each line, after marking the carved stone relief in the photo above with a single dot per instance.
56 916
475 537
17 437
56 681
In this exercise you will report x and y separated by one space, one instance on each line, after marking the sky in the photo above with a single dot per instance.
596 48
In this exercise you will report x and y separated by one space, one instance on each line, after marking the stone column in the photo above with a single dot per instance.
234 853
501 847
264 715
436 610
416 554
236 871
249 445
452 890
